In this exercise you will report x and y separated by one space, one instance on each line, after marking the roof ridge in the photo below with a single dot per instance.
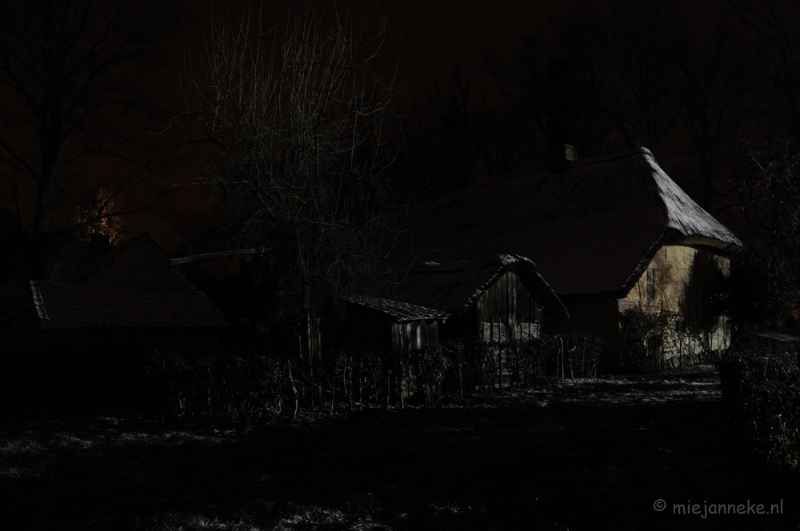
527 174
641 150
111 286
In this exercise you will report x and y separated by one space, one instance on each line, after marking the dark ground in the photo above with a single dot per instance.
578 455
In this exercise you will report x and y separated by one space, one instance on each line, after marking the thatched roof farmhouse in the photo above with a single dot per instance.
608 233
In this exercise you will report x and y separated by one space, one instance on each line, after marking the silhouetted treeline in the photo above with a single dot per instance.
701 94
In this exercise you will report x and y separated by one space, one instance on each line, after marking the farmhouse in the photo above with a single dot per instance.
97 318
609 234
497 299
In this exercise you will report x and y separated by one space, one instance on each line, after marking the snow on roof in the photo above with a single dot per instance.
588 229
683 214
455 286
403 311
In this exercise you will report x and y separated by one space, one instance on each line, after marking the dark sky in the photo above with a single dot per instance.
425 37
424 41
432 36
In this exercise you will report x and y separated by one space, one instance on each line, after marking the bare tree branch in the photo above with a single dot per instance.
70 79
288 124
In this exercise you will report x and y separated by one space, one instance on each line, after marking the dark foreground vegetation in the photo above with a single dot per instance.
261 384
574 454
761 391
268 386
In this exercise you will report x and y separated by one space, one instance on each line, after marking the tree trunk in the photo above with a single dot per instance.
42 228
294 390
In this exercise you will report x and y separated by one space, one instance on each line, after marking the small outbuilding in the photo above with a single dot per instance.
497 299
381 324
94 323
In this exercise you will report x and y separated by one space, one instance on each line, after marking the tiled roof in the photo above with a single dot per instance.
401 310
69 305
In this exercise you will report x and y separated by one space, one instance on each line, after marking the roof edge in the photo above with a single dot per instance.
514 262
371 303
526 173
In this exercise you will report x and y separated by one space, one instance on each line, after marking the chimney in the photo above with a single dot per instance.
570 153
561 116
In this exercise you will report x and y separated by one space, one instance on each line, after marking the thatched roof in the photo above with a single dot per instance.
591 229
455 286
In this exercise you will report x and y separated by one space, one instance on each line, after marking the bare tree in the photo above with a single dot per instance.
646 39
568 75
449 131
290 131
69 82
765 279
773 24
720 95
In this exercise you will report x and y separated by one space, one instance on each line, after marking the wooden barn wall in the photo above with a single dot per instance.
507 311
414 335
362 328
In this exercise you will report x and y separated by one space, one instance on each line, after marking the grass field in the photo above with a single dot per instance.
582 454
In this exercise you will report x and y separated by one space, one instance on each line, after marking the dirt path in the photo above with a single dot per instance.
579 455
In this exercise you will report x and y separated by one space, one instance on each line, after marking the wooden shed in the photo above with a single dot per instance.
381 324
498 298
90 325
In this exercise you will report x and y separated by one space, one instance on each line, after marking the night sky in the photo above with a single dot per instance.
424 39
424 42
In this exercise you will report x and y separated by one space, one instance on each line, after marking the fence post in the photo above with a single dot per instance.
388 387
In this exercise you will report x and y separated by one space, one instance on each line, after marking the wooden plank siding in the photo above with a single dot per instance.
414 335
507 311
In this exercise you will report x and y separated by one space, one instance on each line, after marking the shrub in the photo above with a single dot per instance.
639 347
464 366
761 391
258 386
582 356
230 387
